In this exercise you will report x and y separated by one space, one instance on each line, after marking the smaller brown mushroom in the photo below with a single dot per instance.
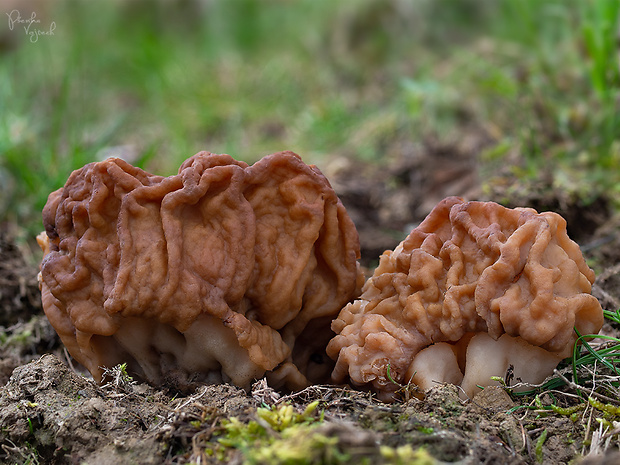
474 291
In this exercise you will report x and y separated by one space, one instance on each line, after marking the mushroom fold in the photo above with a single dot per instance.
223 272
476 290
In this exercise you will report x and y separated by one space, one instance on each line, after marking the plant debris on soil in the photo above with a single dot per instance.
52 412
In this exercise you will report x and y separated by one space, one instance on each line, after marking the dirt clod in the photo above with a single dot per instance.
61 417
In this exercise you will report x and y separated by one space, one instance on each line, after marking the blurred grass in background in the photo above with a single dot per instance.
157 81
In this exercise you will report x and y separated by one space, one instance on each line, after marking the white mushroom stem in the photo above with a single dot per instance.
485 358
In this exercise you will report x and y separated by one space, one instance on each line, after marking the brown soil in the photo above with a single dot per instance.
51 413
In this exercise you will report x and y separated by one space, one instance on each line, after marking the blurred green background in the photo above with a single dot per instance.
157 81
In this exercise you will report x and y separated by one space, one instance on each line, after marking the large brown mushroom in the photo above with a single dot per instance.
474 290
222 272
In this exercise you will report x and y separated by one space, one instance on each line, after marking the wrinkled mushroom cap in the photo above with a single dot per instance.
210 274
469 267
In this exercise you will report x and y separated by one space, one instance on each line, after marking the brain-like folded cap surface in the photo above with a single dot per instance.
212 274
468 268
